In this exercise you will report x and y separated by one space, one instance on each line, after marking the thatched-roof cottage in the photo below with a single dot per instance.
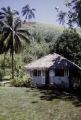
54 69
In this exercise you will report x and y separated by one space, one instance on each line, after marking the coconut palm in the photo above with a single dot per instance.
28 12
13 36
2 50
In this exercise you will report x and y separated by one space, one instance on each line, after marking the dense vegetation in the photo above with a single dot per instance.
12 35
69 45
43 39
14 32
46 39
72 15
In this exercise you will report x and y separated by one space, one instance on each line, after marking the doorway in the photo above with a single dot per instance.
47 77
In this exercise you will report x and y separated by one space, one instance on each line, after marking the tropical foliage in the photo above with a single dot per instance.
12 35
46 39
69 45
73 14
28 12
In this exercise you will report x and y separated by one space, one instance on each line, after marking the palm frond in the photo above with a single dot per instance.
15 12
24 31
6 29
23 38
23 12
1 17
8 9
14 37
1 23
4 9
32 13
17 24
2 13
26 7
33 9
7 39
27 12
18 44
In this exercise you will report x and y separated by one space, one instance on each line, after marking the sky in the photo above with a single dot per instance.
45 9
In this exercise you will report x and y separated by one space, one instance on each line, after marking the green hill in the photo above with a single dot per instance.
44 37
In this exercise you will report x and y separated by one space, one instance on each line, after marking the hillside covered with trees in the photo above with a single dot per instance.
42 41
45 40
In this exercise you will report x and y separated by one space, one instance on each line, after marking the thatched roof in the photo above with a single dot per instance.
51 60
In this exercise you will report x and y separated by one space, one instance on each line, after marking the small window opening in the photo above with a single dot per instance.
59 72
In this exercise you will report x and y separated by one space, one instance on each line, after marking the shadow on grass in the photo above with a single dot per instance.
33 102
72 95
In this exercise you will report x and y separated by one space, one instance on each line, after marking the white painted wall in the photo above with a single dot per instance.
38 80
59 80
63 81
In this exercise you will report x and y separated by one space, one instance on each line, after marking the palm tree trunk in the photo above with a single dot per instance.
12 49
12 65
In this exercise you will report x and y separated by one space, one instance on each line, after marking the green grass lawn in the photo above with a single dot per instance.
34 104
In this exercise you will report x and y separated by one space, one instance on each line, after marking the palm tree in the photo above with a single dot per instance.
27 12
2 50
13 36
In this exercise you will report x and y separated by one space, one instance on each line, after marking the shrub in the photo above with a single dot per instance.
21 82
1 74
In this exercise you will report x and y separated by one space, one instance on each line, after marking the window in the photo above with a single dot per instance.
59 72
43 73
36 73
39 73
66 72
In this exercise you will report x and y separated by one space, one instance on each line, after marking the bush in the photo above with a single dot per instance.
21 82
1 74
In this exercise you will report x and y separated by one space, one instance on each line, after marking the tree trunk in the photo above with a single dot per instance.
12 53
12 49
12 65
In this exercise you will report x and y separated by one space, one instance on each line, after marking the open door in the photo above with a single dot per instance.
47 77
